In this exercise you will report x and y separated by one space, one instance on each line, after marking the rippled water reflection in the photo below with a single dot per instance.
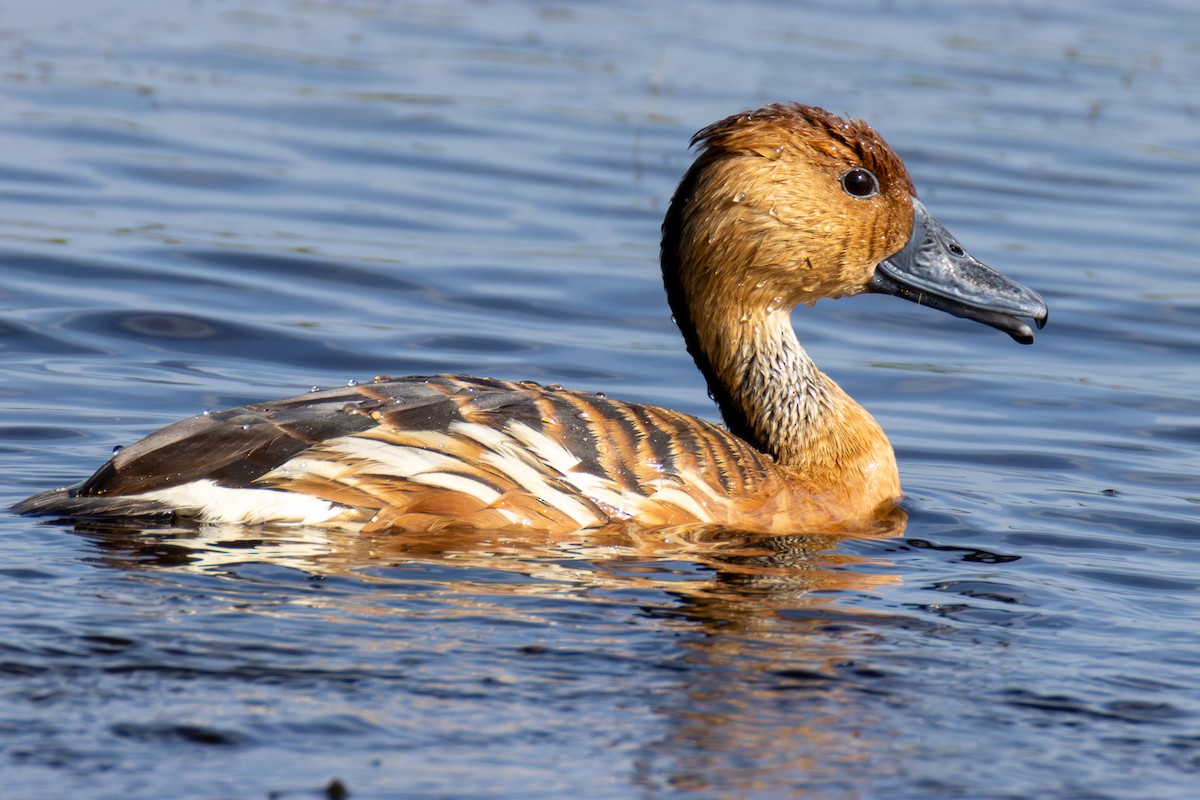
203 205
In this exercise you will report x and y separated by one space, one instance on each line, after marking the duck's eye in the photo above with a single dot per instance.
860 182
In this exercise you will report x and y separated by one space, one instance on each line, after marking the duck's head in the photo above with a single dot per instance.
790 204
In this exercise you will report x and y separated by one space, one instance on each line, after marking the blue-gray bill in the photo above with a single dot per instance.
934 270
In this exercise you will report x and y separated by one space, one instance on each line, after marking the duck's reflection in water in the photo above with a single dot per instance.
725 562
759 647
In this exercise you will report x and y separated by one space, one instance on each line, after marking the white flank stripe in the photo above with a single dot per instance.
514 458
213 503
681 499
433 440
696 482
604 492
511 463
545 448
459 483
488 437
299 467
397 459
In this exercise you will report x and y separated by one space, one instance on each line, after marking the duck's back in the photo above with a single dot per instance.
431 452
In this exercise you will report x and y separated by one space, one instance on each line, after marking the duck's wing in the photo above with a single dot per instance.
421 453
229 448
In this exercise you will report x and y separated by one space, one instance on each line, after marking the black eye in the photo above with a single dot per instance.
860 182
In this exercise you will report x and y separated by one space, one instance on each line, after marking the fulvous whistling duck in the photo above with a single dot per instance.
784 205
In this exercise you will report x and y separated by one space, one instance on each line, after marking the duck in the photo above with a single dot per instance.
783 206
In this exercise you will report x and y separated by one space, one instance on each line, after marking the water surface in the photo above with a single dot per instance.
208 204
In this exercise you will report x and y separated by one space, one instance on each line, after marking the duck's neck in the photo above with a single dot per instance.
772 395
768 389
780 400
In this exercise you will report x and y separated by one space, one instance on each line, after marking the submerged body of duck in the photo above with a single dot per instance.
784 205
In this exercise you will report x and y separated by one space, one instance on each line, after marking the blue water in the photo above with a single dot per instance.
206 204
